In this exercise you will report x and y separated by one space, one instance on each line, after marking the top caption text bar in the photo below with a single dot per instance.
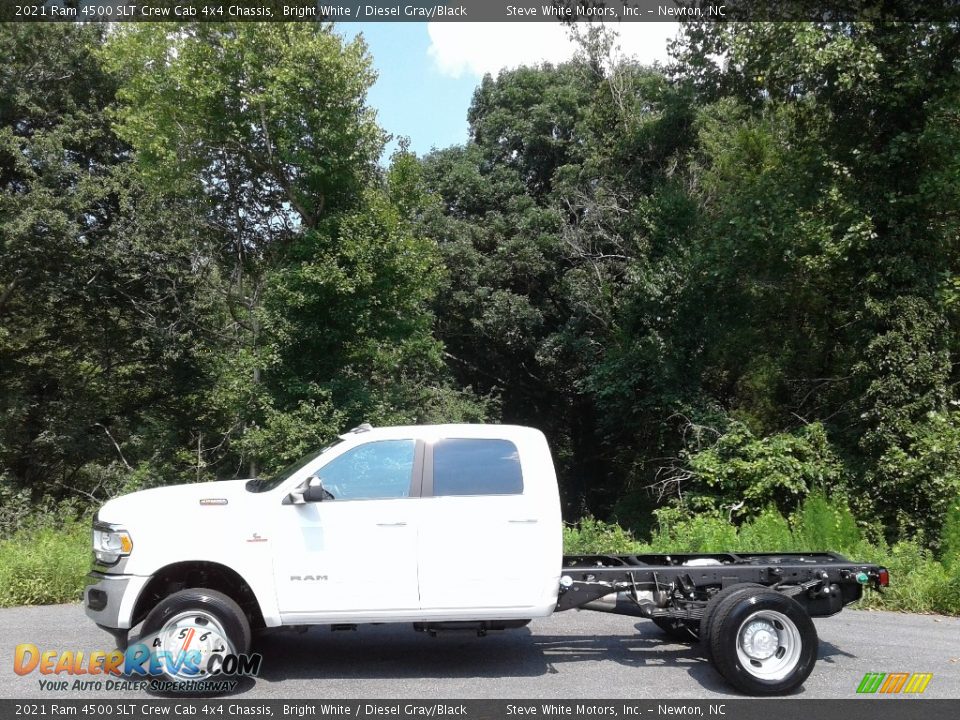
477 11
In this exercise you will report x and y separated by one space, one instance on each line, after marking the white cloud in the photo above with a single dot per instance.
479 48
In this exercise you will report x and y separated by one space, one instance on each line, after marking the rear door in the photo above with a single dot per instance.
481 536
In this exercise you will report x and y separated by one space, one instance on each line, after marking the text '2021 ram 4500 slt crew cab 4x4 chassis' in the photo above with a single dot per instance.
446 526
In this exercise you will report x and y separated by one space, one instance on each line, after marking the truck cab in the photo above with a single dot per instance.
427 524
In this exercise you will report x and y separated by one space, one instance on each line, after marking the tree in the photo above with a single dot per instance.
544 231
323 318
92 294
231 120
825 151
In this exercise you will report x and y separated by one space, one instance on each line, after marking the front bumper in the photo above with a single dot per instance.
109 599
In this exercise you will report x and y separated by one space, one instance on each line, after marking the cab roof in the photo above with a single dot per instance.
450 430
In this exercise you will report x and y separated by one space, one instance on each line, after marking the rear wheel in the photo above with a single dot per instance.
710 611
762 642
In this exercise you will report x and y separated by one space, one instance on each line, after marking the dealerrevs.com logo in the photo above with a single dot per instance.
183 657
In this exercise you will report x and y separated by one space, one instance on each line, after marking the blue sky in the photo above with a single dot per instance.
412 96
428 71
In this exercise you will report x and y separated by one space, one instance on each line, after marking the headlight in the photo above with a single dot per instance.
110 543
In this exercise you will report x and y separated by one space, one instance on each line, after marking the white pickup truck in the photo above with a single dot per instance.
447 527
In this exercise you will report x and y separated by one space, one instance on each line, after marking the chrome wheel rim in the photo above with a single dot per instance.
192 631
768 645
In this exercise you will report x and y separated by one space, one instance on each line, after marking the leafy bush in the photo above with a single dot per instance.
916 480
950 537
746 473
678 532
595 536
768 532
823 524
918 582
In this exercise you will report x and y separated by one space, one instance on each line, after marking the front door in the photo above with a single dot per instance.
356 550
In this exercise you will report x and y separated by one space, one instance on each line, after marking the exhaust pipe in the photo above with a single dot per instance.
620 603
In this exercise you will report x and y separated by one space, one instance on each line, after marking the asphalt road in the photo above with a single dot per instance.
570 655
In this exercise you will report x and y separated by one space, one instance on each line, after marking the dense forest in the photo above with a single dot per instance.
717 286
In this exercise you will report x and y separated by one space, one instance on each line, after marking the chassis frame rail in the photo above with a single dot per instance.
824 582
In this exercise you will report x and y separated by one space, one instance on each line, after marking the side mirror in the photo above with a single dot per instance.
310 491
314 491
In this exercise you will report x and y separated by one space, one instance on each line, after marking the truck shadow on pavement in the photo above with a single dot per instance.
395 652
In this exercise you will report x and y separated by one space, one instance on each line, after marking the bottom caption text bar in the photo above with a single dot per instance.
734 709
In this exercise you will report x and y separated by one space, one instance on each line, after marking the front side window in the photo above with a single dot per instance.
375 470
258 485
476 467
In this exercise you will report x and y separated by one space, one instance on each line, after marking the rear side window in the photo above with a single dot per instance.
476 467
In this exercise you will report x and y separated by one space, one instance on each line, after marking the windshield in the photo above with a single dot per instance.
265 484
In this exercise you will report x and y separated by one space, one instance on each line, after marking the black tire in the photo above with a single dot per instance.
207 603
710 610
683 631
785 642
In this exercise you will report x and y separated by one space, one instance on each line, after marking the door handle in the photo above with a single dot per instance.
528 521
394 524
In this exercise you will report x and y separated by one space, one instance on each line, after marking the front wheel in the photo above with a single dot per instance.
763 642
193 630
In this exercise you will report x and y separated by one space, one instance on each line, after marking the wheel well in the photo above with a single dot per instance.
198 574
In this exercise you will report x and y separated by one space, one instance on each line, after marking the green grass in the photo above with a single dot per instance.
42 564
920 582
